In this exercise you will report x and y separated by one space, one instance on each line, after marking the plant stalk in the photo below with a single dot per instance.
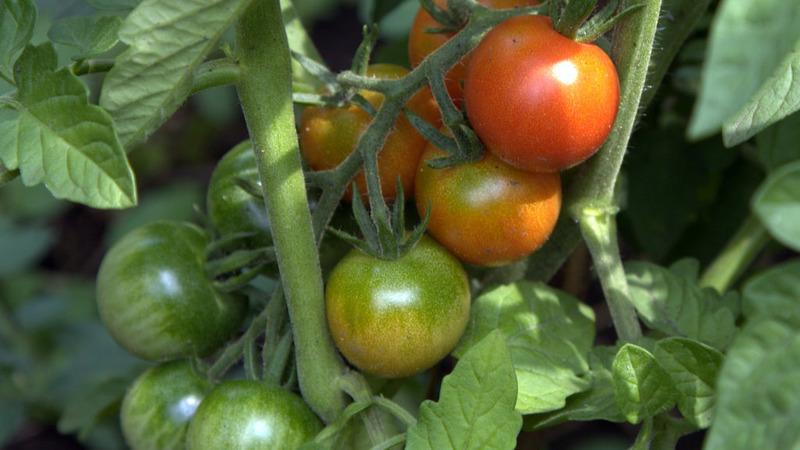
737 255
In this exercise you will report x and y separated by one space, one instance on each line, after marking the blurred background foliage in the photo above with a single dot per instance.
62 376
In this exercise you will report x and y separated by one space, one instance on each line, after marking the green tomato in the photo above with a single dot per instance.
231 209
250 415
159 404
397 318
155 299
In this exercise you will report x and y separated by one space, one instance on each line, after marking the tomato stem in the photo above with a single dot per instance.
737 255
265 91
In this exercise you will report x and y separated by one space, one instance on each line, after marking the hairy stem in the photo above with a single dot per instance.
265 91
737 255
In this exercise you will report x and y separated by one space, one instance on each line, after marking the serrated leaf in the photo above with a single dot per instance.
678 306
476 406
774 292
693 368
777 145
91 35
167 40
58 138
750 39
642 388
758 389
17 18
777 205
549 334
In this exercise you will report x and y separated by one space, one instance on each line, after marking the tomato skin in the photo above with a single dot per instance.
421 43
329 135
248 414
230 208
155 299
158 406
397 318
538 100
487 213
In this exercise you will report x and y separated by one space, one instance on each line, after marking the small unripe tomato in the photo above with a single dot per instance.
329 135
397 318
487 213
248 414
421 43
158 406
537 99
155 299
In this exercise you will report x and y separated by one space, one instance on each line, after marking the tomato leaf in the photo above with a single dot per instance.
692 367
549 334
777 204
114 5
17 18
58 138
643 389
773 292
759 387
777 145
676 305
91 35
476 406
167 40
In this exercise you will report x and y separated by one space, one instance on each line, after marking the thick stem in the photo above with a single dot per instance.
737 255
599 229
265 90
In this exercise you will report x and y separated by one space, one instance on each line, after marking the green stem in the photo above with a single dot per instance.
396 410
218 72
88 66
599 228
233 352
737 255
265 91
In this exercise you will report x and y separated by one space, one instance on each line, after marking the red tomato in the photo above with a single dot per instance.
487 213
538 100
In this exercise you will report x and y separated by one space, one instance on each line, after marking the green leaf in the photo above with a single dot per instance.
678 306
20 247
114 5
17 18
91 35
82 415
751 43
168 39
774 292
777 145
777 205
758 389
58 138
693 368
299 42
643 389
12 411
598 403
476 406
549 334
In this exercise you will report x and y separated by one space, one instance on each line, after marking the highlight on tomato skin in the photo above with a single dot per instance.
537 99
487 213
328 135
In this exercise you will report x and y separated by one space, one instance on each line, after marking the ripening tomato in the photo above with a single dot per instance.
537 99
329 135
487 213
250 415
155 299
421 43
397 318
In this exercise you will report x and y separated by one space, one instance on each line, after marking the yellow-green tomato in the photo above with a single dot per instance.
159 404
397 318
250 415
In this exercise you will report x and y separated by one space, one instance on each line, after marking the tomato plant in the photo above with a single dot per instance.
249 414
397 318
155 299
539 100
487 213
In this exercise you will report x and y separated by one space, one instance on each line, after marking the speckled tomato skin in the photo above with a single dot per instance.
487 213
538 100
329 135
158 406
155 299
231 209
250 415
397 318
421 43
